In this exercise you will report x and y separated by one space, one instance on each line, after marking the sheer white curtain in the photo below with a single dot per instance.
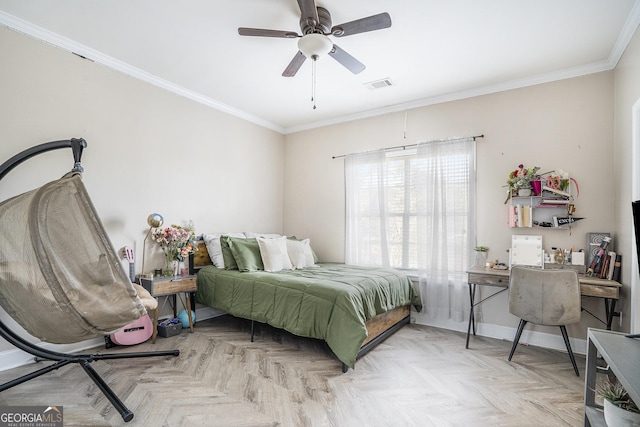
415 210
366 205
447 225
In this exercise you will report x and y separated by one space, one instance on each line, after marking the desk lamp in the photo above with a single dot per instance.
154 220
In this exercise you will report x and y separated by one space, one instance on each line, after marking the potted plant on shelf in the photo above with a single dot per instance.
481 256
619 409
519 181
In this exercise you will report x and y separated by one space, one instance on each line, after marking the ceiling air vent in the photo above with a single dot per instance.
379 84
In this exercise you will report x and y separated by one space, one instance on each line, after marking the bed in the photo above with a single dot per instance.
352 308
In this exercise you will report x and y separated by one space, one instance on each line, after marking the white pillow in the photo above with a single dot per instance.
300 253
249 235
274 253
213 246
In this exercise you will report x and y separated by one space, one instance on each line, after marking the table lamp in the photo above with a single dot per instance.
154 220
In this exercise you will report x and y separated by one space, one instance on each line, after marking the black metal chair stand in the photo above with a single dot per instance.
63 359
84 360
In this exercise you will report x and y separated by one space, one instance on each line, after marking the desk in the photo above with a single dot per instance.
609 290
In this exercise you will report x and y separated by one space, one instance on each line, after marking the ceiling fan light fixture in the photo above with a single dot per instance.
315 46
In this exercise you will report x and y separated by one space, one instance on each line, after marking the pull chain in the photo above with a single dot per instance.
313 81
404 132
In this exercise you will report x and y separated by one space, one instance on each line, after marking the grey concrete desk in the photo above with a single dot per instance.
621 355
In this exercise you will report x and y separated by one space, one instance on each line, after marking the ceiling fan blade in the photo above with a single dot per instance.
349 62
370 23
294 65
260 32
308 11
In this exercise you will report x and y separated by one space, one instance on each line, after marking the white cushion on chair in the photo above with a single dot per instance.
149 302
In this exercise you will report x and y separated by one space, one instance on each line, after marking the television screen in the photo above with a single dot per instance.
635 206
636 226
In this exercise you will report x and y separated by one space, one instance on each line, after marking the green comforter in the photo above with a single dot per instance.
331 302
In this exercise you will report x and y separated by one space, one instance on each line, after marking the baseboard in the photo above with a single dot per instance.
536 338
14 358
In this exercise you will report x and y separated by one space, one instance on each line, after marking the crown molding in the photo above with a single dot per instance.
625 36
471 93
93 55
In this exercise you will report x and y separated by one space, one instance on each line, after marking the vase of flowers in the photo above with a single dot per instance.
176 243
521 179
536 187
173 268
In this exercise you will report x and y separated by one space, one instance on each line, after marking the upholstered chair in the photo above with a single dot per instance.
545 297
60 277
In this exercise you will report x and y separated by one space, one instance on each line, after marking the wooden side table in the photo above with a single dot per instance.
171 287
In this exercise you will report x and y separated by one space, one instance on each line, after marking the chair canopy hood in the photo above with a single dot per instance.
60 277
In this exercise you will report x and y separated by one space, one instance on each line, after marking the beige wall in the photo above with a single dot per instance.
627 94
146 147
566 124
149 150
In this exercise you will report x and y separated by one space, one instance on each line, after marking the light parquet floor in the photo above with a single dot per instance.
421 376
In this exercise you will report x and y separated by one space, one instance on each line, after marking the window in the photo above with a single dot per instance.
399 200
414 210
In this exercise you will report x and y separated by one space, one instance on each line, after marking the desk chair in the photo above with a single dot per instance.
545 297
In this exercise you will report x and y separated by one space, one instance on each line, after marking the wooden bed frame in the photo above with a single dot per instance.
379 327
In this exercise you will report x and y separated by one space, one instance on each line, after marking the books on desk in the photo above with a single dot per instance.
611 265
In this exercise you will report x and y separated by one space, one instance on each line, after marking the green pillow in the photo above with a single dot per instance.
227 255
246 253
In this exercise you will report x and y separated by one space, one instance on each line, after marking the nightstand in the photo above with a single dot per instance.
171 287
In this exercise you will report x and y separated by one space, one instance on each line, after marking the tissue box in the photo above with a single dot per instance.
169 330
577 258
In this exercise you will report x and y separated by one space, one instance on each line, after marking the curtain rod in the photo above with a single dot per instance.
404 147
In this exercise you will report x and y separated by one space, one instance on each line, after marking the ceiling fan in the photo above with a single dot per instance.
315 25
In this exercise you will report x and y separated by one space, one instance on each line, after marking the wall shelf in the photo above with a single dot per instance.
548 211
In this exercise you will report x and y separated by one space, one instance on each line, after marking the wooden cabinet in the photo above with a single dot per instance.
171 287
